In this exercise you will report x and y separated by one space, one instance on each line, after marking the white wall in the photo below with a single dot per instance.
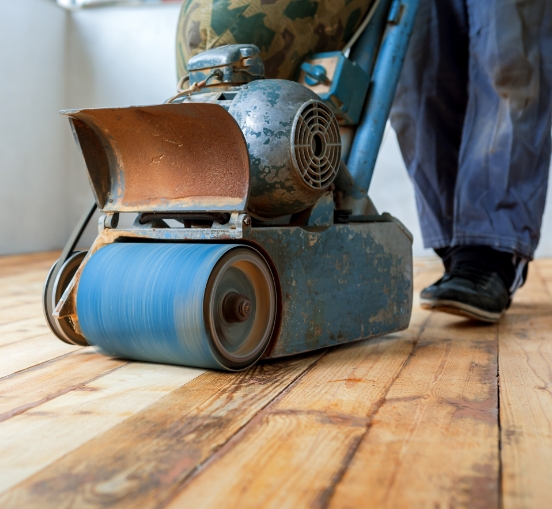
51 59
117 56
32 91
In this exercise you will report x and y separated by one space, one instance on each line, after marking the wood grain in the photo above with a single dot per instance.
15 312
35 386
25 354
309 433
40 436
296 448
434 441
25 338
30 277
526 396
409 420
20 264
21 330
141 461
31 297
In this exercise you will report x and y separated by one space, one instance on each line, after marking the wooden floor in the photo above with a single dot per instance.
447 414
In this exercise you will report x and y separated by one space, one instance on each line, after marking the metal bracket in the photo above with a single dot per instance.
109 220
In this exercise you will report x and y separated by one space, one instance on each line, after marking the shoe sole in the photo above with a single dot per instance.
459 308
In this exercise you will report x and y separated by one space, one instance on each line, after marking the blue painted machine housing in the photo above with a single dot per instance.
340 83
342 271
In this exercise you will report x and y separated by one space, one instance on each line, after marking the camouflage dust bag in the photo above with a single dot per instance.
286 31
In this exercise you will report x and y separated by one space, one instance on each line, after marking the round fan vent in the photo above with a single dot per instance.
316 145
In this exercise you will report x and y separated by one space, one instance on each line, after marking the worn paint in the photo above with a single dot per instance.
267 112
167 157
238 63
195 156
331 291
387 69
347 85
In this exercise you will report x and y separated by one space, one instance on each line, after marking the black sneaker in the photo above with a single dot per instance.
478 284
429 292
445 254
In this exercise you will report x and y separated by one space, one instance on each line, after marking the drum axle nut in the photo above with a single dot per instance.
236 308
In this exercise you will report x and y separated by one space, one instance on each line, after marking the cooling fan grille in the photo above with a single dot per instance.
316 145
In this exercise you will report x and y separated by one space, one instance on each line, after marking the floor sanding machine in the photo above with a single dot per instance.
254 236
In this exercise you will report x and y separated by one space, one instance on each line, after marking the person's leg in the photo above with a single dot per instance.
505 152
428 112
504 159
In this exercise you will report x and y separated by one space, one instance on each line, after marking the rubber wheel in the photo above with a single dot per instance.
53 290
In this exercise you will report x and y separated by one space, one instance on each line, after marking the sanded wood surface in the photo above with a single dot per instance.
446 414
525 367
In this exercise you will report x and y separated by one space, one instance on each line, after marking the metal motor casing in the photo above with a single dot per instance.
269 148
293 143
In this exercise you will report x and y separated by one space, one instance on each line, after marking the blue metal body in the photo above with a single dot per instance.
385 77
365 50
336 284
360 89
343 89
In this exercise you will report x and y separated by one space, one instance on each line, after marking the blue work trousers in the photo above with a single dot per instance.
472 115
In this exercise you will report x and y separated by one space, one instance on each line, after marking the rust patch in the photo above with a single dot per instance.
165 153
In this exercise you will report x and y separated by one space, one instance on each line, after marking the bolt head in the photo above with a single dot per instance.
236 308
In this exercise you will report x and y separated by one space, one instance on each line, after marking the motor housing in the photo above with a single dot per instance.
293 142
268 148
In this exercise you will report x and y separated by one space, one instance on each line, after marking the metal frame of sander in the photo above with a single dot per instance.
274 173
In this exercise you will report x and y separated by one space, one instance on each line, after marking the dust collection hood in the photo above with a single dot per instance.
168 157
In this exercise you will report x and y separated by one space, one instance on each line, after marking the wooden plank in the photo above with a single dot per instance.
8 262
35 386
33 440
22 330
18 312
28 275
434 441
297 448
16 286
33 299
139 462
424 276
20 264
310 432
544 270
427 263
526 396
30 352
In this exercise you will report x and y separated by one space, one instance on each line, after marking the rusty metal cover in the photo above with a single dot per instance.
169 157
